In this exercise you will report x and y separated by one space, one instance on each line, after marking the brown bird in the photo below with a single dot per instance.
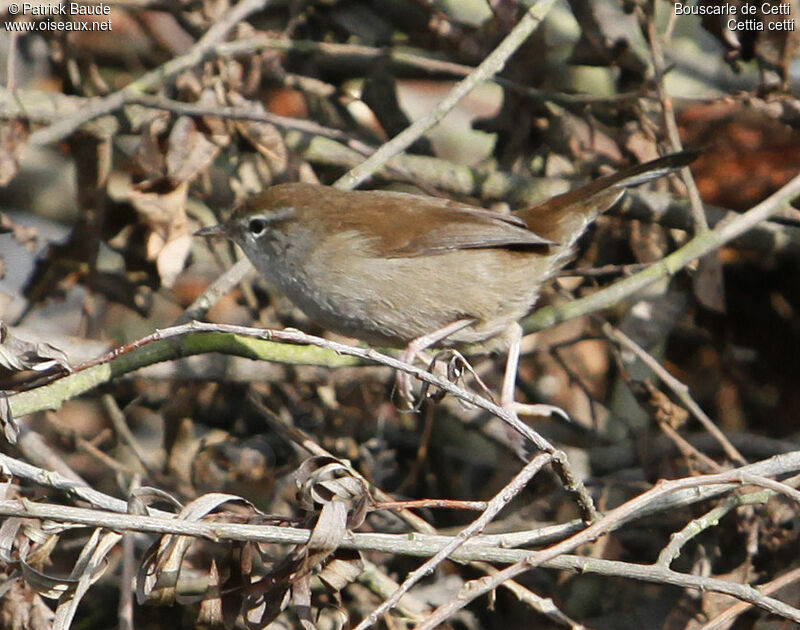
411 271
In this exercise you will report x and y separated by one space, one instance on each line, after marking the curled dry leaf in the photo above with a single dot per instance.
172 257
17 357
264 137
89 567
216 128
189 152
8 538
323 480
210 615
160 570
160 204
140 498
336 501
45 585
17 354
22 607
160 201
150 156
7 422
341 570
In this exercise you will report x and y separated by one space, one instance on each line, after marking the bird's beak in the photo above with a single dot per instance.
213 230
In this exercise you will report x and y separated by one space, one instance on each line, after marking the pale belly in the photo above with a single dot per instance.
390 302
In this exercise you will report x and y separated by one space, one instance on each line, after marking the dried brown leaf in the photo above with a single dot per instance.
336 501
264 137
160 200
160 570
301 598
172 258
216 128
189 152
8 536
22 362
44 543
268 141
330 529
341 570
320 480
210 615
47 586
22 607
150 157
17 354
7 422
160 204
144 496
88 569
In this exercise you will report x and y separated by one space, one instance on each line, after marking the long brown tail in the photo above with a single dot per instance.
563 218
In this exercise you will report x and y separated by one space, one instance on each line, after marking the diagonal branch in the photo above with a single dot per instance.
696 248
204 47
490 66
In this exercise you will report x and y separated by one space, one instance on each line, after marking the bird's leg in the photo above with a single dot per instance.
509 383
403 379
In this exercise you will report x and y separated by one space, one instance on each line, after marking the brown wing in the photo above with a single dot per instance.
447 226
405 225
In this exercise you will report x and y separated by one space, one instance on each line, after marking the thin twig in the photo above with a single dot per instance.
490 66
249 113
668 113
678 388
154 78
125 608
497 503
696 526
422 545
298 437
475 589
689 451
696 248
125 435
725 619
224 283
542 605
186 339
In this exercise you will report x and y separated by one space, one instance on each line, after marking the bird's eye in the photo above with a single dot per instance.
257 226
